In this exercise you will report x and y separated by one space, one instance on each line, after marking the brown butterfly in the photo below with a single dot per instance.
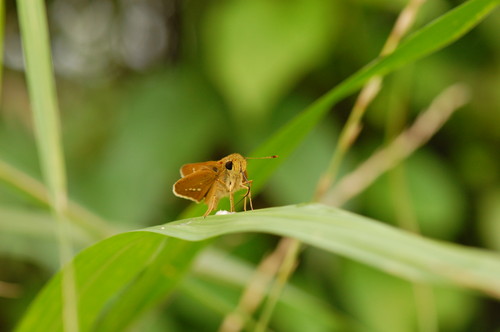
212 180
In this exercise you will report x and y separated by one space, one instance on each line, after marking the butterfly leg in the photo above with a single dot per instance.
248 194
212 204
231 200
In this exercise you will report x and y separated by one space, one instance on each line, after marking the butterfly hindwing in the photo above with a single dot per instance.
195 185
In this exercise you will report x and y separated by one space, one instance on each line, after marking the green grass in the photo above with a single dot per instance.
116 280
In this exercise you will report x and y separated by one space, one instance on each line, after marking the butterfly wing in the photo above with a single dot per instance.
195 185
195 167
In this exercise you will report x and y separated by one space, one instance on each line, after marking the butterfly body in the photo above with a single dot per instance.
213 180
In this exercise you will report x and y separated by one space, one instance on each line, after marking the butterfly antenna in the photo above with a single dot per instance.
269 157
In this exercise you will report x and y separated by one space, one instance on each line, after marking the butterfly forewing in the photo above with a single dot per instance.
195 185
195 167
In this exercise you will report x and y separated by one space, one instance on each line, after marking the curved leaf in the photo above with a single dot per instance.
105 270
392 250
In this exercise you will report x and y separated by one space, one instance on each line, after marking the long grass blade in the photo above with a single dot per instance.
41 86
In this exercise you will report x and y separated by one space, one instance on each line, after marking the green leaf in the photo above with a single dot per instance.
105 270
160 277
394 251
436 35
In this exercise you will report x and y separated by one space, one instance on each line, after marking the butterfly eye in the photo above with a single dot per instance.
229 165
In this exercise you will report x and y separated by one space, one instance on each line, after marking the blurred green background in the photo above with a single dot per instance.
146 86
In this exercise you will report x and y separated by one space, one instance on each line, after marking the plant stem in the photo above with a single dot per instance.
347 137
40 78
286 269
352 128
404 145
79 215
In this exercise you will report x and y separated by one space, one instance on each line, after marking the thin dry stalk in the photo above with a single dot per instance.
286 268
76 213
426 125
256 288
352 127
347 137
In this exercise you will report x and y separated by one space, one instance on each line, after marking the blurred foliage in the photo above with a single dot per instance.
145 86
